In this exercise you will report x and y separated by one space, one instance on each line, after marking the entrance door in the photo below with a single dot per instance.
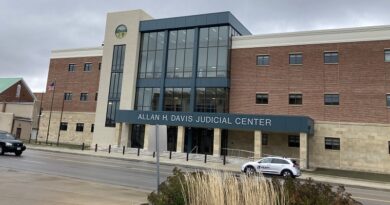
137 136
18 132
199 140
171 138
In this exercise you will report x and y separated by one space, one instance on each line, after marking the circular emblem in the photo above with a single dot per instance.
120 31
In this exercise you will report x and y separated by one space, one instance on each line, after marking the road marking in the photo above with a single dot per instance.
369 199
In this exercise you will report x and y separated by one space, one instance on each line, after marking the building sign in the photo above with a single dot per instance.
268 123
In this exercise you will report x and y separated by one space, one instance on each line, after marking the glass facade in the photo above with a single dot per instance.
180 53
147 99
151 55
177 99
212 100
114 92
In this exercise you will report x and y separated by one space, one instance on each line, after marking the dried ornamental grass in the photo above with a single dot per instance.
216 188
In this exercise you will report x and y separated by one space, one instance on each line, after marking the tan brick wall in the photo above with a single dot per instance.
362 79
70 136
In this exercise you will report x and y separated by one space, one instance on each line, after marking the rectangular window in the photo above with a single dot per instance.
177 99
262 60
92 127
387 55
83 96
388 100
331 99
87 67
261 98
64 126
71 68
296 59
100 66
293 141
264 139
67 96
332 143
389 146
212 100
79 127
295 99
331 57
96 96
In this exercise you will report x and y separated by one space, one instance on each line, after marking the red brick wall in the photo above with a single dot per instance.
75 82
362 79
9 95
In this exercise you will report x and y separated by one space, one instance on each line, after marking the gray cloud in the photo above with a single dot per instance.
31 29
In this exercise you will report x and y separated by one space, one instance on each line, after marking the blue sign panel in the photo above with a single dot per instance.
266 123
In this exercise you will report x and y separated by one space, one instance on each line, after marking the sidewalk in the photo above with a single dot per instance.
213 163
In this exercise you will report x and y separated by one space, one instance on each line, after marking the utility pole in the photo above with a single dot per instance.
158 160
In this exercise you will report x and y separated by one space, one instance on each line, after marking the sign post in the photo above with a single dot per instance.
158 160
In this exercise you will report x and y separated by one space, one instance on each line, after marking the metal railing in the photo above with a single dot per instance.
239 153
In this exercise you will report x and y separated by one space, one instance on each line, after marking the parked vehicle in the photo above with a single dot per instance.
285 167
8 143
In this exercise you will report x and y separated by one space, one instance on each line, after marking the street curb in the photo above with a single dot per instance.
235 172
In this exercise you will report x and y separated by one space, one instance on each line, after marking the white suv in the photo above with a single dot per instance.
273 165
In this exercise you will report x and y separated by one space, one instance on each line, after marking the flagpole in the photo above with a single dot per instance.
39 117
51 109
59 128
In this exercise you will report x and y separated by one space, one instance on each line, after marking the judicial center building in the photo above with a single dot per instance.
213 87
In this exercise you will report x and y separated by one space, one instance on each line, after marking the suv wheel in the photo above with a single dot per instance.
1 150
250 170
287 173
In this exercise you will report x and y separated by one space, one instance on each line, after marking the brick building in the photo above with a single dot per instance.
319 96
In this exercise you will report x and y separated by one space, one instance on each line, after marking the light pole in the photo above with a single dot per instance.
157 160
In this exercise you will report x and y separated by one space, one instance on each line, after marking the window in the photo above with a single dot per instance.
177 99
151 55
79 127
92 127
295 59
71 68
67 96
331 99
295 99
388 100
332 143
279 161
331 57
387 55
389 146
266 160
212 100
64 126
87 67
264 139
180 53
261 98
100 66
262 60
293 141
213 51
83 96
147 99
96 96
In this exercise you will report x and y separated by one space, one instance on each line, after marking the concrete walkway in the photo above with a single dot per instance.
212 163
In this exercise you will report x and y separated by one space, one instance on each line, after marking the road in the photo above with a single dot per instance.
140 175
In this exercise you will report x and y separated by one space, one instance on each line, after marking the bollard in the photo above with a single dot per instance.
187 156
154 154
138 152
224 159
123 150
205 158
95 147
109 149
170 154
29 139
82 147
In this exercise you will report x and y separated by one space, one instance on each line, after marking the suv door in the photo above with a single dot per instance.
264 165
277 165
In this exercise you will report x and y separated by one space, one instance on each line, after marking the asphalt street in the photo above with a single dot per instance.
135 174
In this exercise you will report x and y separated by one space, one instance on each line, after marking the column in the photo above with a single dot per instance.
257 143
303 151
146 136
217 142
124 139
180 139
118 133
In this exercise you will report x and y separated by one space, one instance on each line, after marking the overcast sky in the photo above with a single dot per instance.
30 29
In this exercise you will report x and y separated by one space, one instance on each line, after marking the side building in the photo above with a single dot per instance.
69 103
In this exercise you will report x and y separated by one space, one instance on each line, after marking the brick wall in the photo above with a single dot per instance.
75 82
9 95
361 77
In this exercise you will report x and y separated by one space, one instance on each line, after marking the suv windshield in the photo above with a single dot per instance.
6 136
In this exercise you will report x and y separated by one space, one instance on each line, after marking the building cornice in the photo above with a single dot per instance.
358 34
78 52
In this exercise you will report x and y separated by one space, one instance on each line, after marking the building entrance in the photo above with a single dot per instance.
199 140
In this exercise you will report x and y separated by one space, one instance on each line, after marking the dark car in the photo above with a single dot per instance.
8 143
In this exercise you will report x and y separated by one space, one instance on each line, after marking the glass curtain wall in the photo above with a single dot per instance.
147 99
180 53
151 55
177 99
212 100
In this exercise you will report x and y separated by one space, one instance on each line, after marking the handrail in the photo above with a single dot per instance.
196 147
